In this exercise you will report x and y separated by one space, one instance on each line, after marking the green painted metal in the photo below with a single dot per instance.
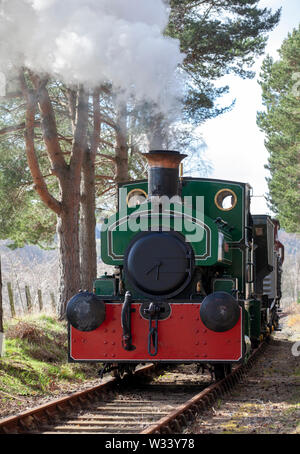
209 189
246 316
224 285
198 228
203 235
105 286
255 318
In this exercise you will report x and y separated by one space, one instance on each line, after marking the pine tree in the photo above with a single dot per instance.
280 82
218 38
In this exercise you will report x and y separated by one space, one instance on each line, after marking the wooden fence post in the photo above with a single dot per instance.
11 299
1 316
53 302
1 306
28 299
40 298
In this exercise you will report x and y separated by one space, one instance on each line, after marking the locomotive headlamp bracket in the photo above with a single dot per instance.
158 309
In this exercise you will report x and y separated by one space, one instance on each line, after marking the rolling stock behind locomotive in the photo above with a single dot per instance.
196 280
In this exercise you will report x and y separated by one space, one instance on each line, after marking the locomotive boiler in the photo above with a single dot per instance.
196 277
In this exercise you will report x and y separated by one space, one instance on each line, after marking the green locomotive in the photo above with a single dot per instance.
196 276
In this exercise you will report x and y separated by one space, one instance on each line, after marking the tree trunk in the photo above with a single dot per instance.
68 246
88 252
88 255
122 171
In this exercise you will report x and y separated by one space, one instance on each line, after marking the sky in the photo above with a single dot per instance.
235 145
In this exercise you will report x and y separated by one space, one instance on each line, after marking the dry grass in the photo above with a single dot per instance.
25 330
294 316
294 320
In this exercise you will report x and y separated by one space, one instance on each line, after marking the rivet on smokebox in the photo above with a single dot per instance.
197 343
113 343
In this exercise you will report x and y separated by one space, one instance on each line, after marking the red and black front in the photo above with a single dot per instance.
166 320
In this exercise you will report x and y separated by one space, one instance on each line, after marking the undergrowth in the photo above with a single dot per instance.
35 360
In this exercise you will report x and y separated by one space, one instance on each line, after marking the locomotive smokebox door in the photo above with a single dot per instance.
168 268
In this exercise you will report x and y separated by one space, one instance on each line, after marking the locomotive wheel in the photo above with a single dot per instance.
255 343
120 370
222 370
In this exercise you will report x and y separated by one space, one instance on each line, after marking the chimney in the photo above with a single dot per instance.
163 176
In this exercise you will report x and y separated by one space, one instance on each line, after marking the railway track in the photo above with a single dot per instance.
137 404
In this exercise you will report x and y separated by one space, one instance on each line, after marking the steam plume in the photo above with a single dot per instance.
93 41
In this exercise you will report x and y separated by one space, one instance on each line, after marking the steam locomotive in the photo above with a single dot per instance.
197 278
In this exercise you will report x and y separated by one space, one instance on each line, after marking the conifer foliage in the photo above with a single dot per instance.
218 38
280 82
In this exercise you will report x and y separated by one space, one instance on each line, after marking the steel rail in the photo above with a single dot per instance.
47 412
45 417
179 418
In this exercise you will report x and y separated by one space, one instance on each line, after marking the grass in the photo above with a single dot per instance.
294 320
35 360
294 316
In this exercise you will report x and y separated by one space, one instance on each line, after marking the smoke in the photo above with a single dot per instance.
93 42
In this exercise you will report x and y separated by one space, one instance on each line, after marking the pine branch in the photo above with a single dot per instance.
16 128
39 182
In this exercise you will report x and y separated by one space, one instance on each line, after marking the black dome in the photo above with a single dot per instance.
85 311
159 263
219 312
